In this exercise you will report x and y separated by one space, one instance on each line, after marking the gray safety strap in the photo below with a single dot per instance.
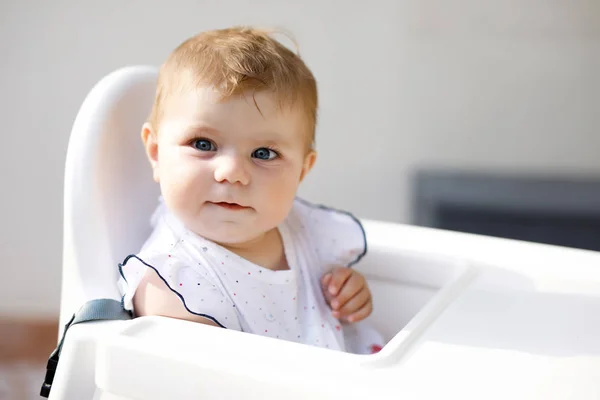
93 310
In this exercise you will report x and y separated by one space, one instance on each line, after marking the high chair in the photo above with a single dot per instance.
465 316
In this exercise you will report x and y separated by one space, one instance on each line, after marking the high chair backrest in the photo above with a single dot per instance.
109 194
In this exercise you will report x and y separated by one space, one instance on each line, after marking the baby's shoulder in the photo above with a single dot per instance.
190 278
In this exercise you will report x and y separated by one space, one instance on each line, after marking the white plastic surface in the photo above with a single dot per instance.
109 192
467 317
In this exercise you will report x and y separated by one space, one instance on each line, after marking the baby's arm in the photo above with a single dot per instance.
153 297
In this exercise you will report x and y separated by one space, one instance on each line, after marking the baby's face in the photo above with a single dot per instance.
229 171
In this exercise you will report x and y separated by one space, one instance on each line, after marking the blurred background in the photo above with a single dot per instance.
481 116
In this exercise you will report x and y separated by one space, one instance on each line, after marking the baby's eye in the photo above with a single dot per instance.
204 145
265 154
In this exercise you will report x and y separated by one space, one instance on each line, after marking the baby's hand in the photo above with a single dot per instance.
348 294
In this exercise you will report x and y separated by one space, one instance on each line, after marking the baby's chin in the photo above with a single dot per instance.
228 234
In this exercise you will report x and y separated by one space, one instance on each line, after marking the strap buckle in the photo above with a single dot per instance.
50 371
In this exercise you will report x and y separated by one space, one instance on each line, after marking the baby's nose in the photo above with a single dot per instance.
231 169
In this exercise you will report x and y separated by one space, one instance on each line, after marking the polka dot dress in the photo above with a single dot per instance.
238 294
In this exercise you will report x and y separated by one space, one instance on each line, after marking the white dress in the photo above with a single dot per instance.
237 294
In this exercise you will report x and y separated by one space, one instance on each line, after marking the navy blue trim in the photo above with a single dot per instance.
322 207
121 265
123 301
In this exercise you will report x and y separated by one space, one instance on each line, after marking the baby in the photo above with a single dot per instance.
229 139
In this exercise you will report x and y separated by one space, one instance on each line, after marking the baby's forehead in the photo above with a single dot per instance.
259 114
256 107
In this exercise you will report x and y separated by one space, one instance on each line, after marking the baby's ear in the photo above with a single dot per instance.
309 162
149 139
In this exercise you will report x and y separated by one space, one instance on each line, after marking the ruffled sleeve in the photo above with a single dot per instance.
199 291
337 236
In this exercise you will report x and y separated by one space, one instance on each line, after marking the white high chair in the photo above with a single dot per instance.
466 316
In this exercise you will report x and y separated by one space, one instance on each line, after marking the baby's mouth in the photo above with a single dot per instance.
230 206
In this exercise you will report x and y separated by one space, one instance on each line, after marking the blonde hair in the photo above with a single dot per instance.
234 61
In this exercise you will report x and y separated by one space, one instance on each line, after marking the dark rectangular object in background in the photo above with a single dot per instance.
559 211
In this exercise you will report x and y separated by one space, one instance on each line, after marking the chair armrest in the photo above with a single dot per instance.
74 378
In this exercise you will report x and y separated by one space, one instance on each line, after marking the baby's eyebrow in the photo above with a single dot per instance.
197 127
269 143
268 139
272 135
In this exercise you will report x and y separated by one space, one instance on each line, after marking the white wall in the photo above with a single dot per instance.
504 84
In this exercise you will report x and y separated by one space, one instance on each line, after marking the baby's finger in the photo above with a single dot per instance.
355 303
326 280
325 287
361 314
353 285
339 276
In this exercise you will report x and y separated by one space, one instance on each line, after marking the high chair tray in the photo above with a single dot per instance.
488 343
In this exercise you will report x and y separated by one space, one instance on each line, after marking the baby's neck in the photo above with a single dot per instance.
266 250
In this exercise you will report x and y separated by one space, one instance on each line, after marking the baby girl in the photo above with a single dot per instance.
229 140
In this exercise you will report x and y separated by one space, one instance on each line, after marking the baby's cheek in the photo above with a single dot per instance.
280 201
275 190
179 195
